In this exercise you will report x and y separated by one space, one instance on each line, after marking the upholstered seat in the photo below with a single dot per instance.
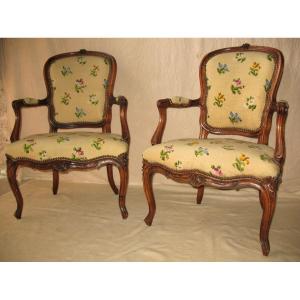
68 145
217 157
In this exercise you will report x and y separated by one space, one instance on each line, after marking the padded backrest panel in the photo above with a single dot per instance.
79 85
237 88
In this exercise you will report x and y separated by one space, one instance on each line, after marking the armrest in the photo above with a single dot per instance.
162 105
282 108
17 105
123 103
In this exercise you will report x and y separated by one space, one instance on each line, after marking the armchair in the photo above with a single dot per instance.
79 95
238 97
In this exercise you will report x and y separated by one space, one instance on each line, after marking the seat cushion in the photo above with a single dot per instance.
217 157
69 145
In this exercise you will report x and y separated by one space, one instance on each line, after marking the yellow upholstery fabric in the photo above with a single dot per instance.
79 84
237 87
217 157
70 145
179 100
31 101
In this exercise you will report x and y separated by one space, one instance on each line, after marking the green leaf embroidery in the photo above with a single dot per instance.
219 100
79 85
94 71
66 71
240 57
266 157
234 117
98 143
164 153
79 113
81 60
228 147
42 154
236 86
267 85
222 68
207 84
28 147
78 154
201 151
61 139
105 83
66 98
241 162
254 69
270 57
178 164
93 99
250 103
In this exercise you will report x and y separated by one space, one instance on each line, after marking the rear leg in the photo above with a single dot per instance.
111 181
12 179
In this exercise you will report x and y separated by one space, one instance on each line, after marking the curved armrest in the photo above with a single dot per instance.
17 105
123 103
162 105
282 108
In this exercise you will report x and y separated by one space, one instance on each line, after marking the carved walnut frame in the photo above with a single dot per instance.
267 187
60 165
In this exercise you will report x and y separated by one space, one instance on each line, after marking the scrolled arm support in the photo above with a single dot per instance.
123 103
163 105
282 108
17 105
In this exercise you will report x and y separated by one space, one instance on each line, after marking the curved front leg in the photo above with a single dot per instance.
12 179
147 183
268 202
123 190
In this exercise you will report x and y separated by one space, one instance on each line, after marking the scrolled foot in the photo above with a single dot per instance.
148 220
265 246
18 214
124 212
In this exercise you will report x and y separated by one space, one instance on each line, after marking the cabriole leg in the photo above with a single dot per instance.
123 190
12 179
268 202
148 189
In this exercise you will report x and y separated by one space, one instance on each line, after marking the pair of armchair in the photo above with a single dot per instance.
238 97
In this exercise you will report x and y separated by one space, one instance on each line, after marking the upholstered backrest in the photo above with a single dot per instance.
238 85
79 84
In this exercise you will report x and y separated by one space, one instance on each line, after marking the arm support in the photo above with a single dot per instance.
123 103
282 108
163 105
17 105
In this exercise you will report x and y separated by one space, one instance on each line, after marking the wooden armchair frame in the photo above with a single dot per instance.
267 187
61 165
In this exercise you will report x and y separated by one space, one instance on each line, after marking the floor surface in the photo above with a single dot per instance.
83 223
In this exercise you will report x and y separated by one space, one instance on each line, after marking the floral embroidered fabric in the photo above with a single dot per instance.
69 145
237 85
217 157
78 85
